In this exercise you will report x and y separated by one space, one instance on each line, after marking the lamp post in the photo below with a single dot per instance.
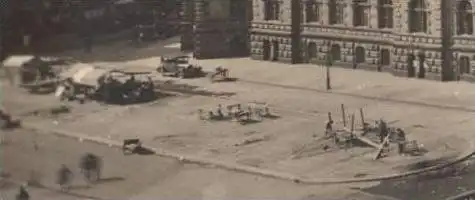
446 34
3 8
329 63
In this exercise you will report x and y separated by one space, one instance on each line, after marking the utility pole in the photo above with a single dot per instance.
327 68
446 35
3 8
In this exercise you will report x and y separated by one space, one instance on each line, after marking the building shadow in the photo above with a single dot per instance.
110 179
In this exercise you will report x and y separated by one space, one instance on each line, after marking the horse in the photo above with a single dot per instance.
91 166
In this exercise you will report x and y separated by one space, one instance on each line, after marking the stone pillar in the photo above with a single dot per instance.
324 12
373 15
187 25
348 14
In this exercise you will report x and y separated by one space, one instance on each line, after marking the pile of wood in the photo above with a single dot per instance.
384 135
235 112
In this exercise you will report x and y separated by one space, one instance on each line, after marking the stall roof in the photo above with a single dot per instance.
17 60
91 77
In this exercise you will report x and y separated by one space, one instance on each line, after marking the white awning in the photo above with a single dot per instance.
17 61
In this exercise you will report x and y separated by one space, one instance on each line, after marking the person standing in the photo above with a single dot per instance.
383 130
22 193
329 128
65 176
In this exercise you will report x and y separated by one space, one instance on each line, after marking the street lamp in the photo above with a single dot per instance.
329 63
446 34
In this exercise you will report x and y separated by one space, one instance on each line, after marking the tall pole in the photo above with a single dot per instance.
327 68
3 8
446 34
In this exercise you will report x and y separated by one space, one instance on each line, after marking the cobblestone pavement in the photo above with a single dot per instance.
142 177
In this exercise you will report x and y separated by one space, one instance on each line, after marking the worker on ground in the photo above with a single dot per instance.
383 130
22 193
329 128
401 135
219 111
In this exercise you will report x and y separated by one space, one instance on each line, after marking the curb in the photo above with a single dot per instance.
253 170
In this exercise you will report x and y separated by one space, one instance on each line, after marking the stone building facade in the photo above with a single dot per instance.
404 37
216 28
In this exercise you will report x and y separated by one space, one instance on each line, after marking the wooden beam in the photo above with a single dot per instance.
362 117
343 114
367 141
352 130
381 148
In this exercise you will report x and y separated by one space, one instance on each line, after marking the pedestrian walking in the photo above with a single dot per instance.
65 176
90 166
22 193
328 128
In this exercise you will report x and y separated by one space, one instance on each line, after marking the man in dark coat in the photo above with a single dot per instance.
64 177
383 130
22 193
91 167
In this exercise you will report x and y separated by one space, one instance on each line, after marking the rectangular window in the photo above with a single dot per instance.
271 10
312 10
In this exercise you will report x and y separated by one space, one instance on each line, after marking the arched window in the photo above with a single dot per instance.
360 12
336 11
360 55
312 11
464 17
385 14
311 51
417 16
336 52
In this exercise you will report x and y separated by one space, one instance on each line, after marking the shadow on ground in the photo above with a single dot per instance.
431 186
122 51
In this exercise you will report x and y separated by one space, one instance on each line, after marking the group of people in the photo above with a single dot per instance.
90 166
382 130
113 90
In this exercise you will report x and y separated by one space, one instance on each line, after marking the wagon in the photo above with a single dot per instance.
179 66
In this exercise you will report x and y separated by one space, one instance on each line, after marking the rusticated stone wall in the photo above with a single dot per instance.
368 47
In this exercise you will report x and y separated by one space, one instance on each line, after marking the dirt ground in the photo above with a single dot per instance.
291 143
140 177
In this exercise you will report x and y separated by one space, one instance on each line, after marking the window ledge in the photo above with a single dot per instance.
313 23
418 33
465 35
